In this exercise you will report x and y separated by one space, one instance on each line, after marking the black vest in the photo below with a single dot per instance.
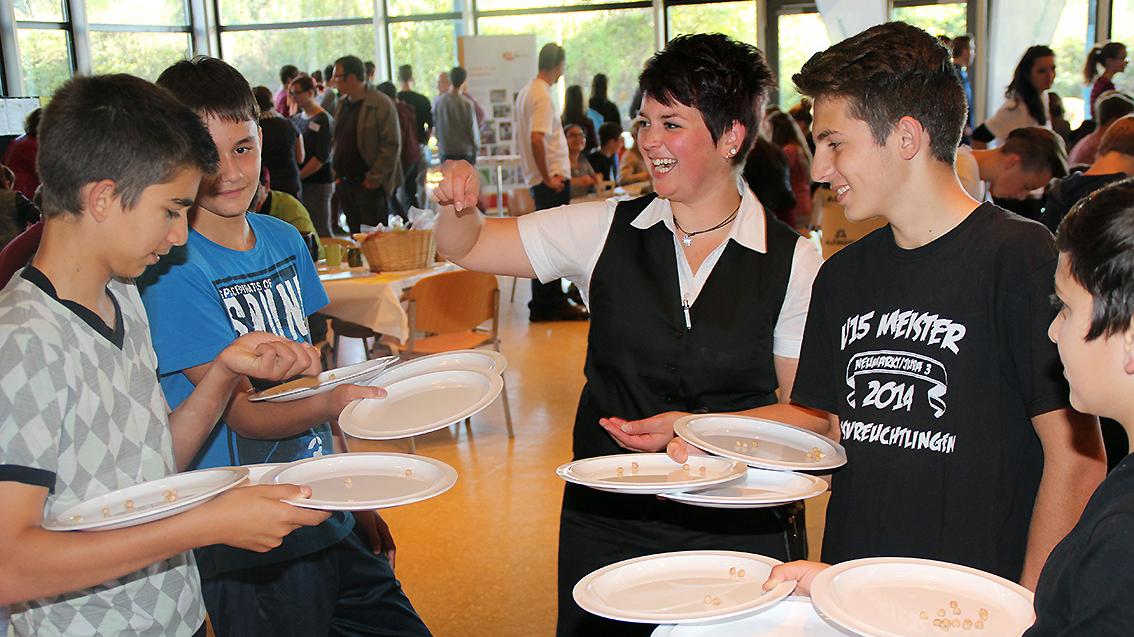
641 358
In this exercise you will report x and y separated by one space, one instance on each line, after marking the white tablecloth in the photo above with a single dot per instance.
373 300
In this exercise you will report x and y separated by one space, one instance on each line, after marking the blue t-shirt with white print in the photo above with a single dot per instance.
200 298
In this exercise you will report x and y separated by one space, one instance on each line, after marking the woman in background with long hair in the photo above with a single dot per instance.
1026 104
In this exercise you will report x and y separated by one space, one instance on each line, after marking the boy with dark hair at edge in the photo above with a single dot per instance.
81 411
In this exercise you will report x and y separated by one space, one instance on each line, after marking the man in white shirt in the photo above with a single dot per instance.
546 169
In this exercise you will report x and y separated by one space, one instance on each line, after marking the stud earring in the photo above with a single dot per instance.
732 152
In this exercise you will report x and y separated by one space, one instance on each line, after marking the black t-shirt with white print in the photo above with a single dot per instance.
935 359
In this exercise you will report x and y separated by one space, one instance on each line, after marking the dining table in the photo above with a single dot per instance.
374 300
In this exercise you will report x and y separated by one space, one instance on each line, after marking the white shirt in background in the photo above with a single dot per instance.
535 112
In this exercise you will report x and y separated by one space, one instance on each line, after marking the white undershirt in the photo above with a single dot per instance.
566 242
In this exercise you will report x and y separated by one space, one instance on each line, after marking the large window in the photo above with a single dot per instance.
158 35
45 45
734 19
311 34
39 10
801 36
422 7
140 12
246 12
260 54
615 42
45 56
143 54
430 47
948 19
501 5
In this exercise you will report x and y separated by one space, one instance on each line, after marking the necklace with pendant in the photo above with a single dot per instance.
687 237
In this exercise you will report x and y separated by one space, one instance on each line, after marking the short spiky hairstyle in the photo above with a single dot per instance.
211 87
888 72
1097 237
1039 149
724 79
121 128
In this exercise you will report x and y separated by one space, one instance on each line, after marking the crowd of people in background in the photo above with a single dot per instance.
351 153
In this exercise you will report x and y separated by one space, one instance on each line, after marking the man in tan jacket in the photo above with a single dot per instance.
367 146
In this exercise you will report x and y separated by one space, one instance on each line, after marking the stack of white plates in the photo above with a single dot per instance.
425 394
644 473
772 451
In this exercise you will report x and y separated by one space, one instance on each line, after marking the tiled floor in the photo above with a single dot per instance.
480 559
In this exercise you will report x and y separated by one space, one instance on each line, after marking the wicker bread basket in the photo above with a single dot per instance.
399 250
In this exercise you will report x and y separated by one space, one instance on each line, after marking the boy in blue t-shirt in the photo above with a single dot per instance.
241 272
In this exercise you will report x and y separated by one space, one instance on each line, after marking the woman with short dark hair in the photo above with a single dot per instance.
698 300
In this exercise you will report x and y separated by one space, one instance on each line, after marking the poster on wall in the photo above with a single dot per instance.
498 67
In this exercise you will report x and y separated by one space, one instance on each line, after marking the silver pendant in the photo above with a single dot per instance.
687 240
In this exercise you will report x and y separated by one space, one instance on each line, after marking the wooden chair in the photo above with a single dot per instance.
447 311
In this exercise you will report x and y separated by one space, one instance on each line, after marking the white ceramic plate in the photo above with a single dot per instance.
760 443
420 404
148 501
312 385
649 472
356 481
903 597
760 488
681 587
793 617
485 361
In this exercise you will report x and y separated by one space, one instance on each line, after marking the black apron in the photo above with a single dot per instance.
642 361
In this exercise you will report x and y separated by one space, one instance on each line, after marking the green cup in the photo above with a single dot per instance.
334 253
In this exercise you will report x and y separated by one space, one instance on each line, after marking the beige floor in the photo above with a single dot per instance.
480 559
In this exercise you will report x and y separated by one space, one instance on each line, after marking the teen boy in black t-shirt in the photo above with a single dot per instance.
1085 585
926 341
